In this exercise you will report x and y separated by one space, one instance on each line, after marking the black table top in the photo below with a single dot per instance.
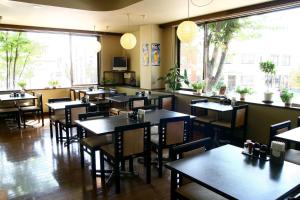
61 105
7 97
292 135
125 99
228 172
213 106
107 125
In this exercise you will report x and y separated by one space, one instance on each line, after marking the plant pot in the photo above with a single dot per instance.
242 96
199 91
288 103
268 96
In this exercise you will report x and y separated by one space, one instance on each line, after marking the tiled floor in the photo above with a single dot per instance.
32 166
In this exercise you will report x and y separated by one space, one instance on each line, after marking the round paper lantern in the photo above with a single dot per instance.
96 46
128 41
187 31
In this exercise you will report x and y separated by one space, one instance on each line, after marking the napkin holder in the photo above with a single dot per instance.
277 152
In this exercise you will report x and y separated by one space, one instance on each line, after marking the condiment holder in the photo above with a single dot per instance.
277 152
256 150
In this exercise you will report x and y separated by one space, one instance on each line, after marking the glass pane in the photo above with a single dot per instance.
191 58
84 60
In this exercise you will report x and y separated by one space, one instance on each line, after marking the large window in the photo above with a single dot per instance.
43 60
236 47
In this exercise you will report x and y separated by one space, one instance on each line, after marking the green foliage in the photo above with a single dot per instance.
53 83
198 85
22 84
174 79
286 95
244 90
267 67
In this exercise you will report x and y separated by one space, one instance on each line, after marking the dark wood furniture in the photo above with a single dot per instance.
129 141
282 131
12 111
226 171
166 102
213 106
298 121
56 115
92 144
171 131
37 110
71 114
119 78
137 102
186 188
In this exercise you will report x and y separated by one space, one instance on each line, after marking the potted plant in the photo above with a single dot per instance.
243 91
268 67
53 83
22 84
173 79
286 96
198 86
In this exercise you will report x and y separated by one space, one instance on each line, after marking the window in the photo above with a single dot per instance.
235 48
43 59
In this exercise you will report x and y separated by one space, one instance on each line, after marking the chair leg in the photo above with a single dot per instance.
60 132
81 156
42 116
160 162
18 119
148 166
24 120
131 164
93 164
56 131
123 165
51 129
67 136
117 175
102 169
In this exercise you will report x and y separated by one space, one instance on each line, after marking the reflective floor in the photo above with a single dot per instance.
32 166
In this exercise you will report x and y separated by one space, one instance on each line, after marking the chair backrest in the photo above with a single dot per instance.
166 102
137 102
239 116
298 121
72 112
73 94
93 115
31 102
174 130
278 128
39 101
132 139
198 112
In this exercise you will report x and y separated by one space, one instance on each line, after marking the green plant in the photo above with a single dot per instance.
22 84
198 85
53 83
268 67
243 90
174 79
286 95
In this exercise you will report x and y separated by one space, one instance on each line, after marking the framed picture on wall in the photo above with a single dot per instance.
146 54
155 54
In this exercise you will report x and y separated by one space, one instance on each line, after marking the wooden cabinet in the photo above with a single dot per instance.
119 78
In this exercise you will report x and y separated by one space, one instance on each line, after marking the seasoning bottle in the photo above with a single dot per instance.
263 151
256 149
250 147
246 148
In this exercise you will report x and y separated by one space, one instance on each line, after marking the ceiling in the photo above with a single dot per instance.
155 12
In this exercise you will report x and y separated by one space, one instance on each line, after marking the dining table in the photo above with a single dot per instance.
214 106
125 99
228 172
292 135
62 104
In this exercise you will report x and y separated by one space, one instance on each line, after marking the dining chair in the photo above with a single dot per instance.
291 155
115 108
11 111
129 141
73 94
171 131
237 121
137 102
166 102
37 109
56 115
92 143
30 102
71 114
185 188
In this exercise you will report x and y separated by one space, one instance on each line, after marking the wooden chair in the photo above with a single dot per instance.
291 155
137 102
25 103
91 144
238 120
55 116
37 110
171 131
128 142
73 94
71 114
184 188
115 108
11 111
166 102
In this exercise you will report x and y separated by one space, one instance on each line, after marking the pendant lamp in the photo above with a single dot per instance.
128 40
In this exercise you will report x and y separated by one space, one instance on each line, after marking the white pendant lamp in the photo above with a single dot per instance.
128 40
187 30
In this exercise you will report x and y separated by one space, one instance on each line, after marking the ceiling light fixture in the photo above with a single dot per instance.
187 30
96 45
200 3
128 40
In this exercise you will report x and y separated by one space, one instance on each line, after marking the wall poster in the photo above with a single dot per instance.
155 54
145 54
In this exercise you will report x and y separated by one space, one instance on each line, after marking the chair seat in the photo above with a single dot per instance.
193 191
205 118
115 111
293 156
96 142
57 117
109 149
221 123
8 110
154 130
30 108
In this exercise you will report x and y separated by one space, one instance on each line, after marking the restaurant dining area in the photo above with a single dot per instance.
149 99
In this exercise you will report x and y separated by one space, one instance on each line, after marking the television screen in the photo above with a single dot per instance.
120 63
